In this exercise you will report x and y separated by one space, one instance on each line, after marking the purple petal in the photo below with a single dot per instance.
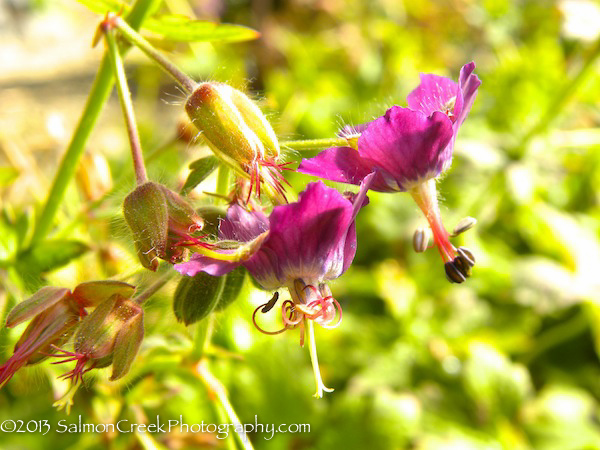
242 225
344 165
200 263
435 93
468 83
358 202
305 237
408 144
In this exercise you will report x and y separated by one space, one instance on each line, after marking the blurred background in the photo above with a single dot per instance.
508 359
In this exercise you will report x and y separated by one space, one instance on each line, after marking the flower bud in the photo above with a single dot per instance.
111 334
93 176
257 122
236 130
55 312
159 219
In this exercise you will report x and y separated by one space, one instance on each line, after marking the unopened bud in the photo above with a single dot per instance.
42 300
183 219
145 210
186 131
159 219
92 293
232 125
94 176
112 333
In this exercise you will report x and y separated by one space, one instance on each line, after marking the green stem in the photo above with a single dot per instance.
223 180
127 108
314 144
97 98
154 287
136 39
203 336
563 96
216 388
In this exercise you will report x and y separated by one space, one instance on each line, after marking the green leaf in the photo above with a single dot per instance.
104 6
8 175
181 28
196 297
49 255
234 282
201 169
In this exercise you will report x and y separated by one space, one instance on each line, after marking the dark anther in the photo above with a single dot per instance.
453 274
462 266
269 305
466 255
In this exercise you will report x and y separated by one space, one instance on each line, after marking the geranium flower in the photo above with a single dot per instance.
407 149
299 246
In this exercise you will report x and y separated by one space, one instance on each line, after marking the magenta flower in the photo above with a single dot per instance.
299 246
407 149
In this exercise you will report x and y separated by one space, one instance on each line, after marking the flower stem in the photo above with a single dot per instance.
223 180
127 108
97 98
312 347
154 287
314 144
136 39
425 196
216 389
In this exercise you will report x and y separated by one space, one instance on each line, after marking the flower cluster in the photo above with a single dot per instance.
407 149
298 247
55 314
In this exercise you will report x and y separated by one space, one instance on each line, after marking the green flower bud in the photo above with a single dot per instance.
234 127
159 219
111 334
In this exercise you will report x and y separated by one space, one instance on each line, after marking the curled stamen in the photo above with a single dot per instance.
289 306
259 328
337 312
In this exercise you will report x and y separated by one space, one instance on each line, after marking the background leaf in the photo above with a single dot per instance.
49 255
201 169
180 28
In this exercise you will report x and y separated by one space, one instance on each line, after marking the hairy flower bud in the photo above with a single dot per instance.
55 312
236 130
111 334
159 219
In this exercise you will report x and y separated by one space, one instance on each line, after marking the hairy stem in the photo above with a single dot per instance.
97 98
127 108
154 287
136 39
315 144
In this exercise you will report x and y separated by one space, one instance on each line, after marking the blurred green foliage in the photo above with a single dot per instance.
507 360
